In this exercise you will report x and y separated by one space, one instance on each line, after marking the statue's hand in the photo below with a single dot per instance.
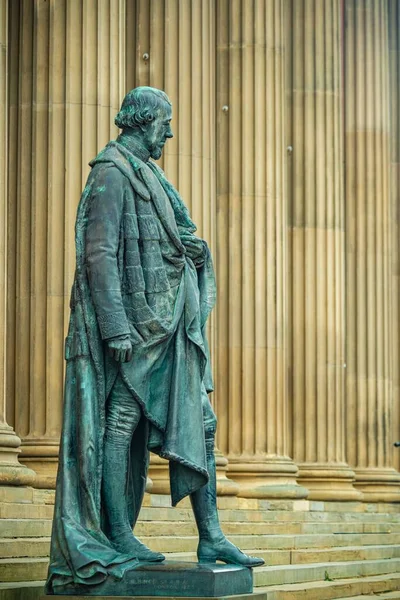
194 245
120 348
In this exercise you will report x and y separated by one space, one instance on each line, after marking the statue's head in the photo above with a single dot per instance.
147 111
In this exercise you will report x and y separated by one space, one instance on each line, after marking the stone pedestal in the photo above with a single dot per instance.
171 579
242 597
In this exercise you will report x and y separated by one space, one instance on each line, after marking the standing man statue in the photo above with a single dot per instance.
138 369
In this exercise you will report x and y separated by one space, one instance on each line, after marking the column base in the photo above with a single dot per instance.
378 484
42 457
266 477
225 486
159 475
329 481
12 472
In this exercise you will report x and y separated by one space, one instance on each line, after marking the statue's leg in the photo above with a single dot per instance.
213 545
122 417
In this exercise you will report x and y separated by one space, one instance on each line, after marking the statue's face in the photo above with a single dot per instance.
158 132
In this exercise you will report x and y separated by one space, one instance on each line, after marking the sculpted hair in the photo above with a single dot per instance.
140 106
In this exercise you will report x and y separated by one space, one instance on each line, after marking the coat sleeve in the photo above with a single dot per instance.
102 241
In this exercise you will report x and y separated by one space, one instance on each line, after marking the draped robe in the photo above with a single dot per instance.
133 276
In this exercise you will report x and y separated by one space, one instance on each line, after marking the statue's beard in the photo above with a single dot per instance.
157 150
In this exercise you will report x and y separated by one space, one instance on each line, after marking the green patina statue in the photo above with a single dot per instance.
138 370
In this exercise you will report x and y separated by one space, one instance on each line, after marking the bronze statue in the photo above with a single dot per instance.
138 370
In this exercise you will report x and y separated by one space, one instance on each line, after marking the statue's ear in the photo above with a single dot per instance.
150 116
143 127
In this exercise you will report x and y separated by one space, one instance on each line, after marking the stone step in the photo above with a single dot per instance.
21 590
33 591
16 494
333 590
383 507
384 596
25 511
27 528
154 528
167 513
232 503
279 542
23 569
44 496
288 574
226 502
325 555
344 553
40 547
28 510
24 547
334 545
281 506
164 534
380 587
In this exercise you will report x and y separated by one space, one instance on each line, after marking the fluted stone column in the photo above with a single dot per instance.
71 66
394 82
317 246
369 282
11 471
171 45
252 392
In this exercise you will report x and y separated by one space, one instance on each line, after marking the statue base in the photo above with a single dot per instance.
176 579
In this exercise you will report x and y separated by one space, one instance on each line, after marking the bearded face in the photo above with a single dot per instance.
158 131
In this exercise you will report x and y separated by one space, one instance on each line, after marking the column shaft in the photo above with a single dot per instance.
11 471
369 375
66 98
394 81
252 393
179 39
317 252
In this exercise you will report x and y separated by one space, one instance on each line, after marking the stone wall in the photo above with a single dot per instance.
286 150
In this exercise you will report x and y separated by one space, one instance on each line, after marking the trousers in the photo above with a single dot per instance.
123 414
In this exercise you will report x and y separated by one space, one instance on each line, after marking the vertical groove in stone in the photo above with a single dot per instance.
252 395
394 78
171 83
178 37
13 178
54 147
246 223
234 287
317 252
11 471
73 132
222 215
3 200
369 285
66 98
22 332
131 47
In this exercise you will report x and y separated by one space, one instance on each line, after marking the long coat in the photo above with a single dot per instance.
132 277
